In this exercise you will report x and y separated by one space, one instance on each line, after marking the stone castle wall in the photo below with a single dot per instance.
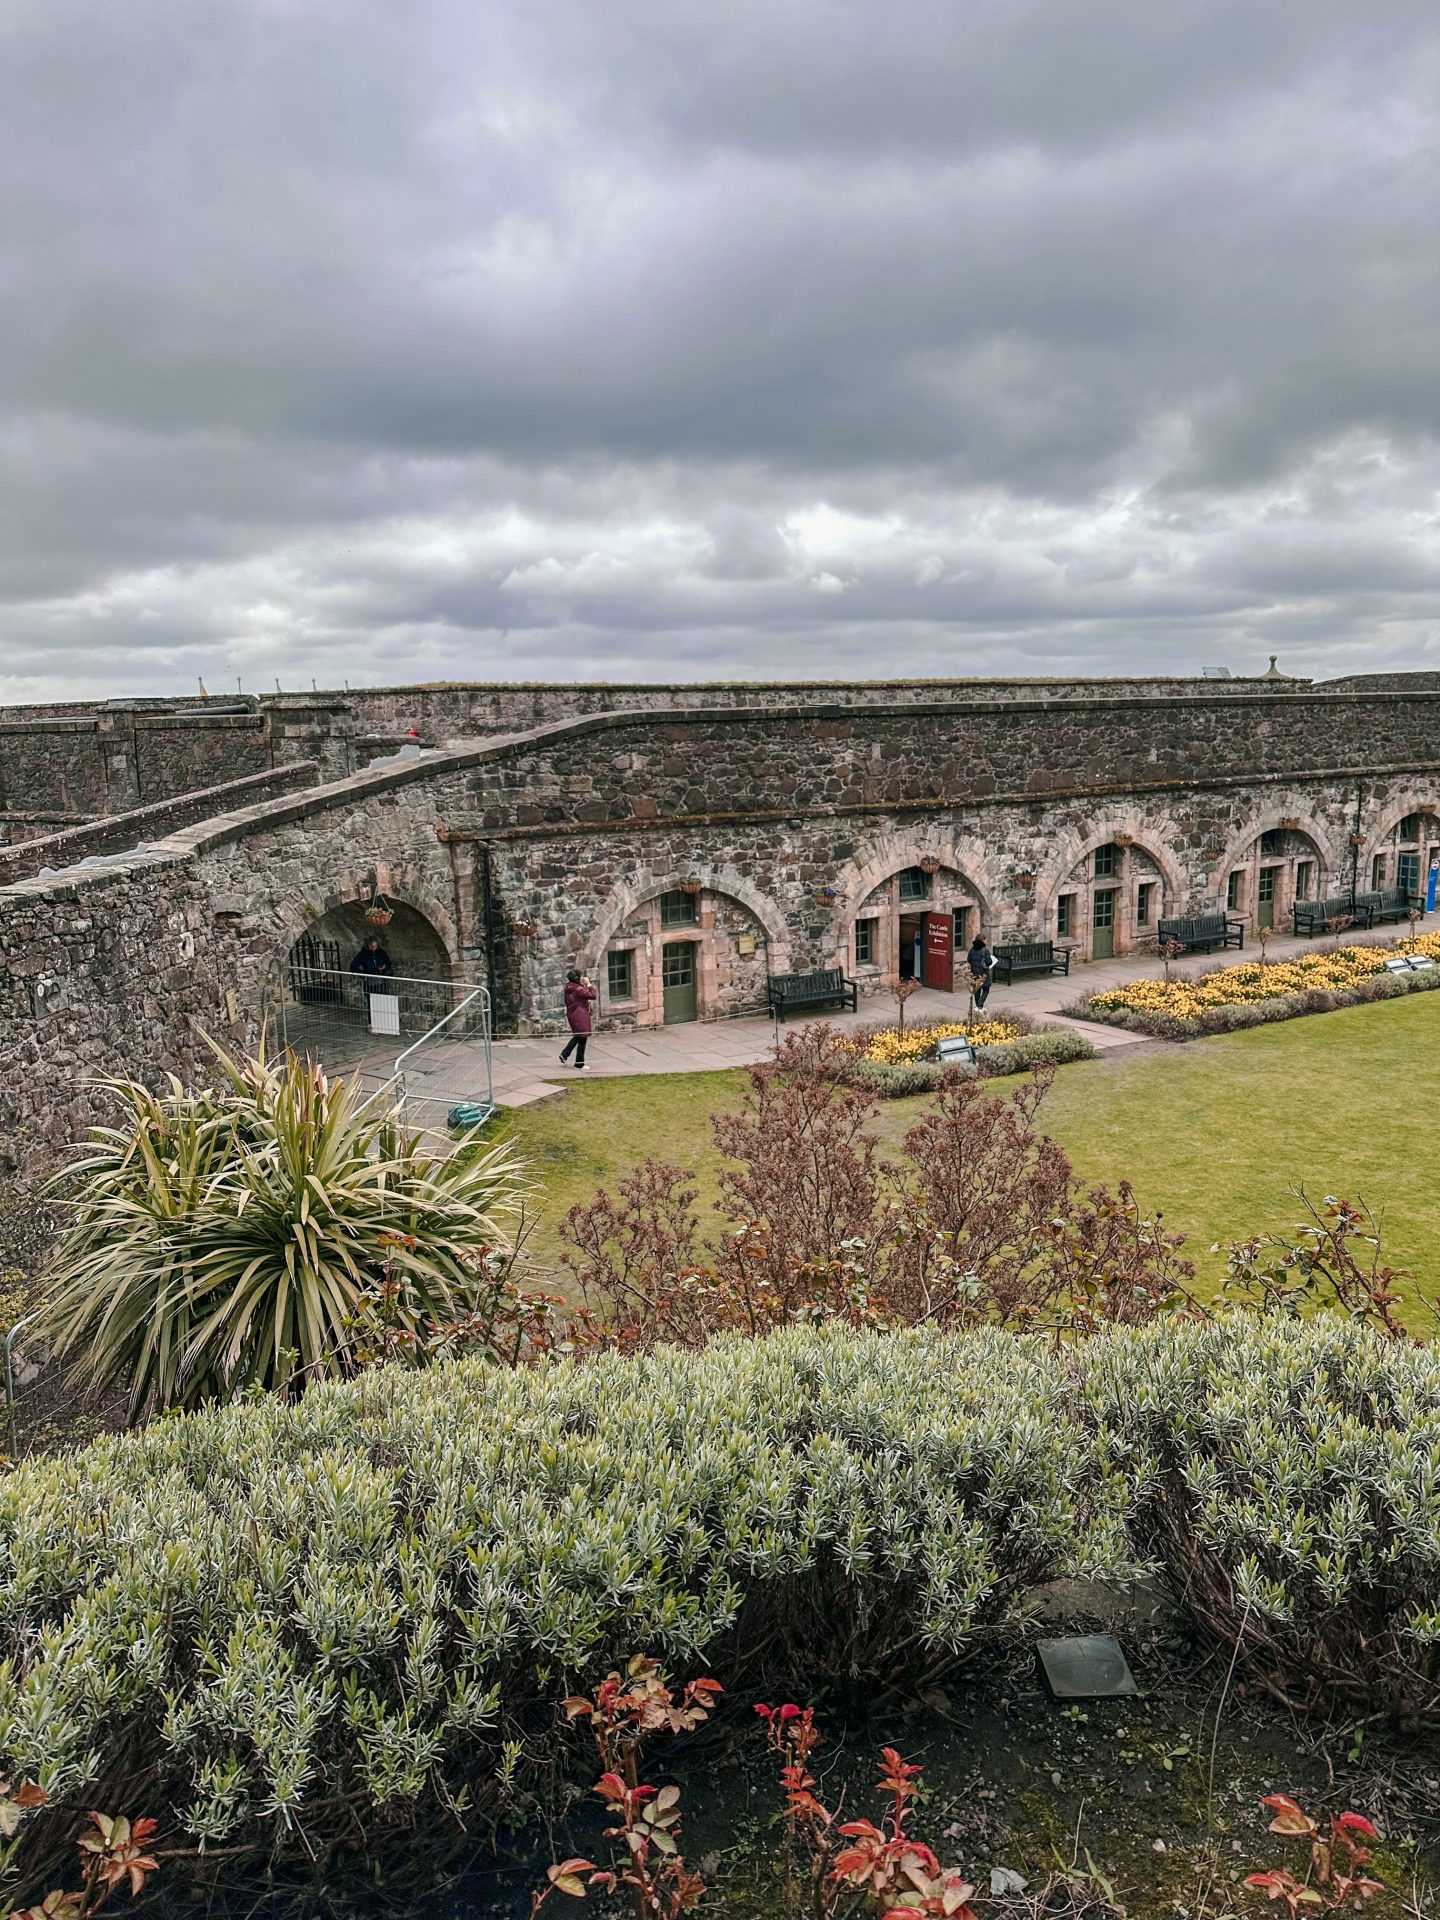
449 711
532 854
83 766
67 762
116 833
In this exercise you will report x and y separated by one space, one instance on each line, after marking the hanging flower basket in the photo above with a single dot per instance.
691 885
929 864
1290 826
1026 879
379 912
1123 840
525 928
1358 839
826 896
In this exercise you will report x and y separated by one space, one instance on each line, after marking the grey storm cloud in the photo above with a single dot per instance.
657 339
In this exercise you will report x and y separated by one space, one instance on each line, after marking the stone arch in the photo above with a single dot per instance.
885 958
626 900
1132 913
892 853
342 904
1079 845
1398 810
735 936
1243 853
1331 859
1407 864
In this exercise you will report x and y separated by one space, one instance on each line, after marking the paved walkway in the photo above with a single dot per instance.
530 1070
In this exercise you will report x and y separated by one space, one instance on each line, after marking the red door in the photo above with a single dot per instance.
939 951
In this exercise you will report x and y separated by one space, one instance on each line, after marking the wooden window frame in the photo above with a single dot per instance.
627 955
679 909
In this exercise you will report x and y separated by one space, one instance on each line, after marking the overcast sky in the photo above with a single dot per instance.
650 339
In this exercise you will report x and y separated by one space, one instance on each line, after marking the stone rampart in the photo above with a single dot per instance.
529 853
112 761
115 833
80 762
446 711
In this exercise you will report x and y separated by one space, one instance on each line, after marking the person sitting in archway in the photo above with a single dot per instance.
373 961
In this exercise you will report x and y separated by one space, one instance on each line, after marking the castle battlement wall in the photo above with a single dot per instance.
791 825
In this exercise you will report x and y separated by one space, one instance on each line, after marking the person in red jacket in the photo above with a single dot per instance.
579 995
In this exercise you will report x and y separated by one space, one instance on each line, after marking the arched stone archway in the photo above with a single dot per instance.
358 1019
1272 862
697 944
415 947
422 933
893 895
1104 891
1404 847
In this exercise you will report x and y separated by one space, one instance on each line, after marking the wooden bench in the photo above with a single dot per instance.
1201 933
1315 916
1378 909
1035 956
789 991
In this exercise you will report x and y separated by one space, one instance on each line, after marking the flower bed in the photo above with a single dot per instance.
1249 995
892 1046
897 1064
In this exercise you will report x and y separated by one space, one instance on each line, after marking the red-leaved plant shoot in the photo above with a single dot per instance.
114 1853
827 1865
905 1879
648 1864
1338 1856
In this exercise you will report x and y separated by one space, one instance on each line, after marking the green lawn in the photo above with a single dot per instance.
1215 1133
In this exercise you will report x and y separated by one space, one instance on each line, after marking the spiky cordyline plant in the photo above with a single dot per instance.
221 1240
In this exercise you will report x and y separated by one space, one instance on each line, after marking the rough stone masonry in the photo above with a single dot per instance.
679 843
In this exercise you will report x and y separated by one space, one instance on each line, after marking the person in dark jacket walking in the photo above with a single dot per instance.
579 994
981 962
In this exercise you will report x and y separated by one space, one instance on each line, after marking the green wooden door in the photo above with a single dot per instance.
1265 897
1407 872
679 976
1102 925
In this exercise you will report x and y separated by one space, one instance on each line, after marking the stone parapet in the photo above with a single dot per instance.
117 832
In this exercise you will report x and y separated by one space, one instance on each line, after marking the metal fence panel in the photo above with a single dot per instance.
430 1039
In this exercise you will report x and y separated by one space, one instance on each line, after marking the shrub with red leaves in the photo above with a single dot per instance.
1337 1858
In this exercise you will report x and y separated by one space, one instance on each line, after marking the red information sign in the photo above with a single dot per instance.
939 961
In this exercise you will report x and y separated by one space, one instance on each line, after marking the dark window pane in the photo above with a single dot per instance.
679 909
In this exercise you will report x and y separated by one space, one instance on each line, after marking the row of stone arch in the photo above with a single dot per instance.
980 873
988 881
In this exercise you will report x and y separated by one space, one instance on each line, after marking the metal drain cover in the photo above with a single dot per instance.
1089 1666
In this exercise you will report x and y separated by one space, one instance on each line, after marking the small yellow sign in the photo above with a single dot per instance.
745 943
